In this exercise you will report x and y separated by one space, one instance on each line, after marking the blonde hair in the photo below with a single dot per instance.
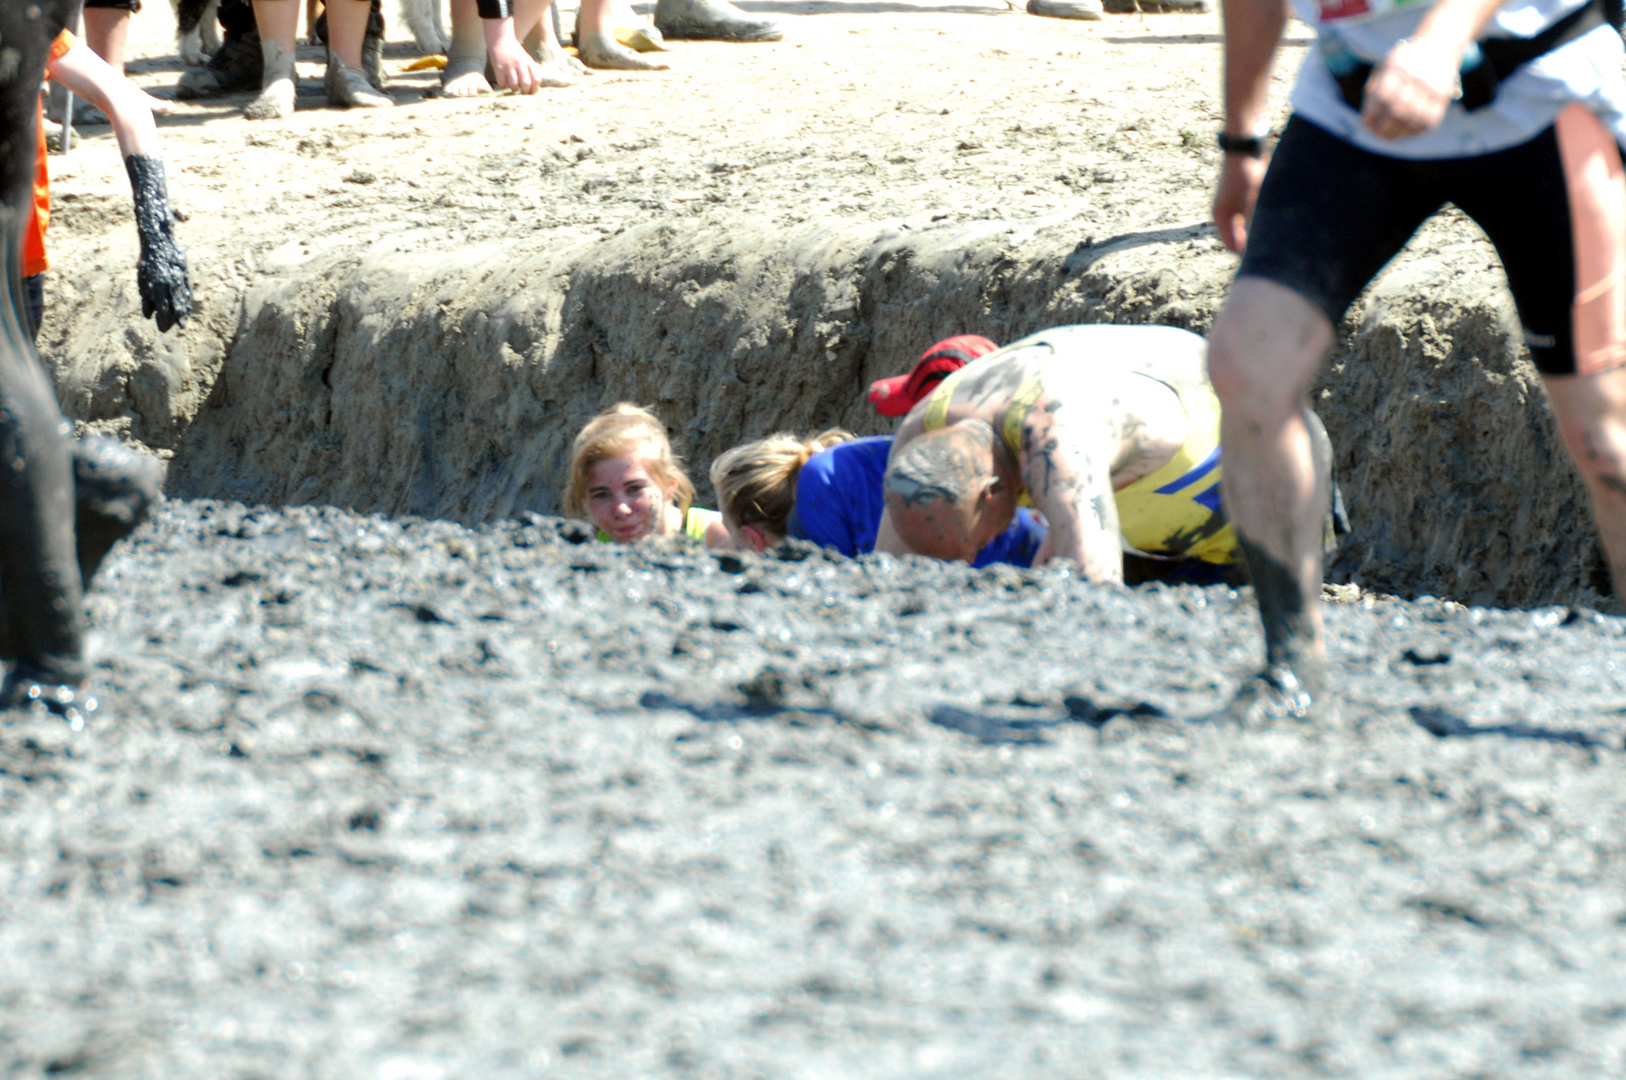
617 431
756 483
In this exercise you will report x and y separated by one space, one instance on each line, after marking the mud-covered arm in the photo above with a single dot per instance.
1066 467
161 273
166 288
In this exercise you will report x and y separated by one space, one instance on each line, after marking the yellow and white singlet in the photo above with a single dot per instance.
1174 512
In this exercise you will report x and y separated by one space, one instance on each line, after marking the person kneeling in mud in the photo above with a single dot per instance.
828 489
625 479
1111 432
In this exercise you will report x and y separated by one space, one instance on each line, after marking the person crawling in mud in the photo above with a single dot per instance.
625 479
827 488
54 529
1111 432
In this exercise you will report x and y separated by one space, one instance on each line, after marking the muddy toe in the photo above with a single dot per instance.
275 102
349 88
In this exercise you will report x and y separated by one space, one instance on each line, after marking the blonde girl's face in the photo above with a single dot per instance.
624 499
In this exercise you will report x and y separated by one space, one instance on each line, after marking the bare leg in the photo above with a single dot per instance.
278 22
533 22
346 83
1263 354
107 32
596 44
1591 415
465 74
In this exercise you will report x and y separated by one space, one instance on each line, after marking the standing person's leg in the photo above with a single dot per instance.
1264 352
1556 210
536 23
596 43
346 80
278 22
107 29
465 72
1329 215
1590 411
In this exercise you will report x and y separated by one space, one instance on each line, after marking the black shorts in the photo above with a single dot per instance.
1330 215
117 5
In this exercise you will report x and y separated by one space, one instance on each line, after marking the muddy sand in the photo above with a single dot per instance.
428 788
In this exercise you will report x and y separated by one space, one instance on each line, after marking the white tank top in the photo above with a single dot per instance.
1587 70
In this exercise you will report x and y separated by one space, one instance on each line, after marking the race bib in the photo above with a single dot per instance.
1336 11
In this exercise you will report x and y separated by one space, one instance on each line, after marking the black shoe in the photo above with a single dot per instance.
237 67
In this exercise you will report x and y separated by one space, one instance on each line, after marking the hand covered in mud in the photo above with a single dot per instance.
1410 91
1238 190
166 288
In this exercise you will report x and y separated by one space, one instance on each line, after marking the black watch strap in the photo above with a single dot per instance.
1247 145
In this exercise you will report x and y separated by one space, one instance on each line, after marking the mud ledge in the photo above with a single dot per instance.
450 387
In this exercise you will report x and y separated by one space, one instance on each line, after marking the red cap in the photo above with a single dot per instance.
897 395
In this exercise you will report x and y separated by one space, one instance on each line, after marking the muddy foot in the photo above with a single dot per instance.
1066 9
464 77
275 101
1273 695
603 51
348 87
27 689
712 20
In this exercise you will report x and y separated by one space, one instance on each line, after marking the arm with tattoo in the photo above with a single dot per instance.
1066 465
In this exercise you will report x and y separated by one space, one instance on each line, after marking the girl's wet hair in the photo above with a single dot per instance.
621 430
756 482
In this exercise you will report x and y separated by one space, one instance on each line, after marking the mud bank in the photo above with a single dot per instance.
371 798
410 310
451 387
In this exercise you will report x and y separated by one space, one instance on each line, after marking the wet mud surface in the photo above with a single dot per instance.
407 800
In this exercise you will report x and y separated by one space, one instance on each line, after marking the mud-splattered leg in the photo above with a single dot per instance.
536 22
278 21
39 574
597 46
1263 354
465 73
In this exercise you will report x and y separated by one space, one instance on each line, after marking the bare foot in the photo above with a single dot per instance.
464 77
276 98
349 87
603 51
275 101
559 68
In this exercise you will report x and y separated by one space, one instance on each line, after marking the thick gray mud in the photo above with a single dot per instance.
371 798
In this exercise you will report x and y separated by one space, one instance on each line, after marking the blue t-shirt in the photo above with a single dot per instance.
839 503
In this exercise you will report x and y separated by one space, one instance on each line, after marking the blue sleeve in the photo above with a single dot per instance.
1018 544
838 495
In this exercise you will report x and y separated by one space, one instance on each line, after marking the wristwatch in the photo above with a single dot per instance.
1247 145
